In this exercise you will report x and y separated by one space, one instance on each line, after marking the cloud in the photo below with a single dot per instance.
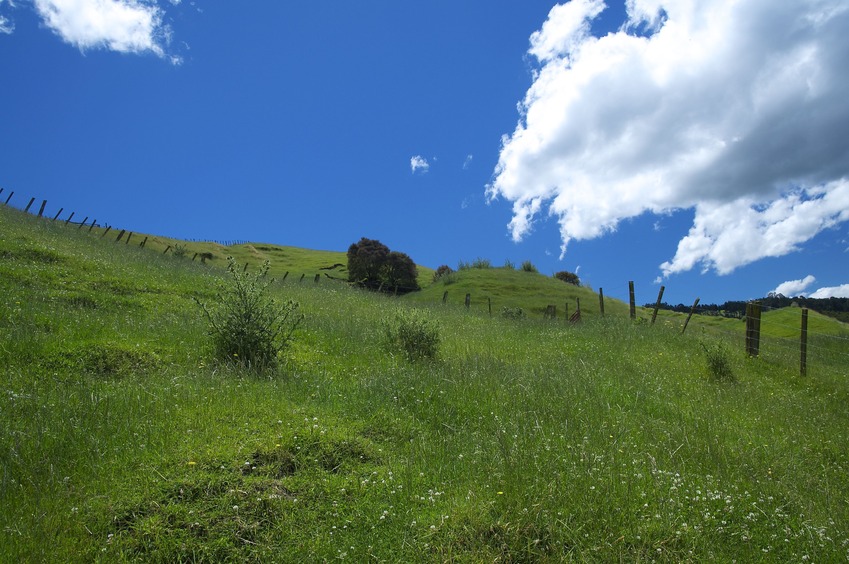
6 25
833 292
794 287
468 161
125 26
736 110
419 163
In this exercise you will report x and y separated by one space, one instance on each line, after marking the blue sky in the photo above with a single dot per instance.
698 145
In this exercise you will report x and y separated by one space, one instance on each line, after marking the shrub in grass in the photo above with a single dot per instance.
414 335
719 362
443 270
180 250
481 263
528 266
568 277
248 327
512 313
508 265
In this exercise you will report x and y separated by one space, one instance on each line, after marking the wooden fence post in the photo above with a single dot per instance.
284 276
83 223
468 300
108 227
29 205
70 217
631 299
127 242
143 243
121 234
41 209
6 203
803 366
657 304
302 278
55 217
489 305
601 301
168 248
318 277
753 328
692 311
445 297
93 223
245 269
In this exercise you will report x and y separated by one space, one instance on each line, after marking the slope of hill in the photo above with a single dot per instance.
509 288
525 440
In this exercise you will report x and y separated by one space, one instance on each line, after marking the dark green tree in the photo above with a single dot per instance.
366 260
372 265
400 273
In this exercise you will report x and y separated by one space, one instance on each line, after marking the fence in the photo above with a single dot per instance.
823 344
755 342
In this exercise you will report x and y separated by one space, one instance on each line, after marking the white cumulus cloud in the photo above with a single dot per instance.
841 291
126 26
419 163
736 110
6 25
793 288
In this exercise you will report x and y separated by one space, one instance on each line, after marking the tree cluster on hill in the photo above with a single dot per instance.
837 308
372 265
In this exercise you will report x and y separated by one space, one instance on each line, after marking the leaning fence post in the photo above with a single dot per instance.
489 305
168 248
108 227
692 311
41 209
468 300
445 297
127 241
93 223
6 203
657 304
121 234
58 213
803 366
70 217
753 328
143 243
318 277
631 299
284 276
29 205
83 223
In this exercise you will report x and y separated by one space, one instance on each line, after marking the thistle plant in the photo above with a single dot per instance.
248 327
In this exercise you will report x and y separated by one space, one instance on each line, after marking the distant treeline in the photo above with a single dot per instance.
837 308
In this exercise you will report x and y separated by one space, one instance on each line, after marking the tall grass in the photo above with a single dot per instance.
525 440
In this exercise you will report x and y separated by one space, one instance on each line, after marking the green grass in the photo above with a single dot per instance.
524 440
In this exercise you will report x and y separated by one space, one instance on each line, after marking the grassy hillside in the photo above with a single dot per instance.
510 288
525 440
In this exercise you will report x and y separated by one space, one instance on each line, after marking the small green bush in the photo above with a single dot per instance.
512 313
508 265
247 327
528 266
180 250
481 263
414 335
719 362
568 277
442 271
